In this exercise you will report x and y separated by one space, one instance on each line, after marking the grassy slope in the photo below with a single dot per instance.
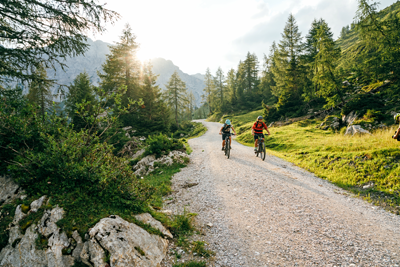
349 162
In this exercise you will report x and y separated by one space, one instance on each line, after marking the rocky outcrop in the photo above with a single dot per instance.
356 129
146 165
126 243
111 241
21 249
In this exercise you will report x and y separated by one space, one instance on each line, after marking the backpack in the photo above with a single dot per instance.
226 128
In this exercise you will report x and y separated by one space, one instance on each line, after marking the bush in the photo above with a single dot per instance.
362 103
162 145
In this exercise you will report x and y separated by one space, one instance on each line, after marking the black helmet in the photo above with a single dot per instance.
259 118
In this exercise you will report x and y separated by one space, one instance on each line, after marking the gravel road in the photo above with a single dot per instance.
272 213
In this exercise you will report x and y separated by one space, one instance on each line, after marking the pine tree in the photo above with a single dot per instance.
267 81
39 91
208 89
81 90
175 95
251 73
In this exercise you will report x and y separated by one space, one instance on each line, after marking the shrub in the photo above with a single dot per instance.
162 145
361 103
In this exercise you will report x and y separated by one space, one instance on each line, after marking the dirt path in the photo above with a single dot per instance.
272 213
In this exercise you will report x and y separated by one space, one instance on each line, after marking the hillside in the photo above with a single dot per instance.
350 43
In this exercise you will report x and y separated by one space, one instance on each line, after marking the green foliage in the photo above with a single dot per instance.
175 95
199 248
7 213
191 264
361 103
41 242
162 145
141 252
80 91
182 224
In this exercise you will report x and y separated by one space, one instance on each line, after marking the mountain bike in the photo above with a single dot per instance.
261 148
227 148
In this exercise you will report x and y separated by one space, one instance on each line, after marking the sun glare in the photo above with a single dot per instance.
143 55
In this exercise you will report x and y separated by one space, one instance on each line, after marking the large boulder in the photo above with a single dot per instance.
126 243
148 219
356 129
330 122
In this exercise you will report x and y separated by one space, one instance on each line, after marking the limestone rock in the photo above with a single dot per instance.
146 165
138 154
35 205
127 243
356 129
8 189
24 252
148 219
19 215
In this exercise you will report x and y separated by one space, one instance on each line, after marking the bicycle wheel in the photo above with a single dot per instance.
263 151
228 151
227 147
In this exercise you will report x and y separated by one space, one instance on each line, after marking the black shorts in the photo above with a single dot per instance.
256 136
224 135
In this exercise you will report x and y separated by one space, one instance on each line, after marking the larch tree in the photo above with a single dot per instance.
175 95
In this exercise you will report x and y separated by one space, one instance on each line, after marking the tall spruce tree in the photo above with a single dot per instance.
153 116
231 87
326 83
287 70
80 91
39 91
175 95
121 69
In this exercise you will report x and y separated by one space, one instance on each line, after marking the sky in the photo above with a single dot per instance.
200 34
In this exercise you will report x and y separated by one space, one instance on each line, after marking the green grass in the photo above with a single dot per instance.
347 161
191 264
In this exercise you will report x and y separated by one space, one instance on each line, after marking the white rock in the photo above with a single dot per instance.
168 212
35 205
356 129
138 154
350 118
120 238
8 189
77 237
148 219
19 215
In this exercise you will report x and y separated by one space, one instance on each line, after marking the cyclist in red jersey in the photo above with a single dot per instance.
257 131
